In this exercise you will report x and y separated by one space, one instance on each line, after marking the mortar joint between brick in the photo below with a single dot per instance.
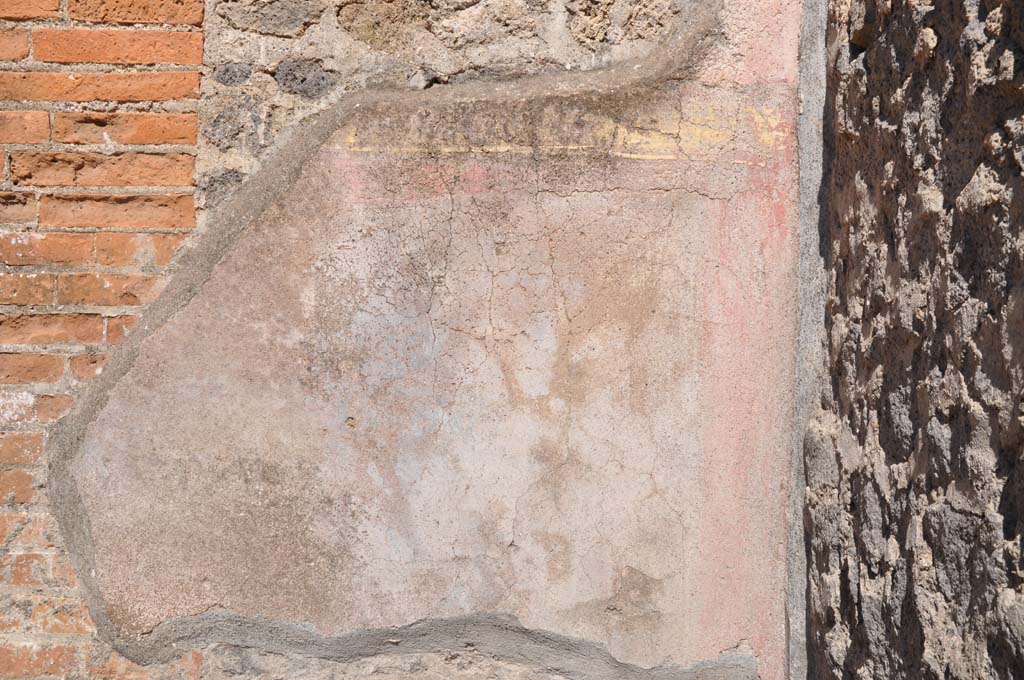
43 229
29 66
175 106
78 24
104 149
106 310
143 190
92 267
56 638
36 349
46 348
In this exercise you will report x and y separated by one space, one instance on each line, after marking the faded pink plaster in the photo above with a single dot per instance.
761 48
747 336
548 375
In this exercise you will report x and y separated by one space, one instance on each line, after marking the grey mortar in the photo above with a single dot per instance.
811 330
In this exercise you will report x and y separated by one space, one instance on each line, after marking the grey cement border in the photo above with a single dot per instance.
498 636
811 299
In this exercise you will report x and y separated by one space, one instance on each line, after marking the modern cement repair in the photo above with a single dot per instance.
667 125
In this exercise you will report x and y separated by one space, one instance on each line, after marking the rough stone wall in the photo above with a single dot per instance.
273 62
914 464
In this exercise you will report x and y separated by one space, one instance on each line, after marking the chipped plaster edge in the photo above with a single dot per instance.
500 636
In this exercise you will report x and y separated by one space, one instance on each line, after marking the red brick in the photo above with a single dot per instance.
20 448
50 407
24 127
13 45
12 524
106 664
131 212
27 660
13 618
29 248
87 87
119 328
26 289
24 531
25 569
17 208
87 366
38 168
29 9
41 329
125 128
59 615
16 487
138 11
123 250
24 369
42 614
24 407
39 533
106 289
69 46
165 246
62 572
17 407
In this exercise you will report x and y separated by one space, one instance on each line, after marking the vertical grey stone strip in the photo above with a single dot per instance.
810 356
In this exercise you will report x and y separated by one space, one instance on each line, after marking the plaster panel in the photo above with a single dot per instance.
530 358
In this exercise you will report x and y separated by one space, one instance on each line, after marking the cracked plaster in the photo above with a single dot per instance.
517 350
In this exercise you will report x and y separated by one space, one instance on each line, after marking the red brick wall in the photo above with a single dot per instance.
97 136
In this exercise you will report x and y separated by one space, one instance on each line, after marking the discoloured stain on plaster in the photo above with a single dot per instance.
451 371
492 356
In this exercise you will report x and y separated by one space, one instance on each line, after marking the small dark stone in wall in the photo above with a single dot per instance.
286 18
234 126
304 77
217 186
232 74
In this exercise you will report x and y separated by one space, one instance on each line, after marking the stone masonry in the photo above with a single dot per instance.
914 464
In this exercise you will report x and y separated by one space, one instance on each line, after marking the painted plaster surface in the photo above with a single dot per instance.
530 358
